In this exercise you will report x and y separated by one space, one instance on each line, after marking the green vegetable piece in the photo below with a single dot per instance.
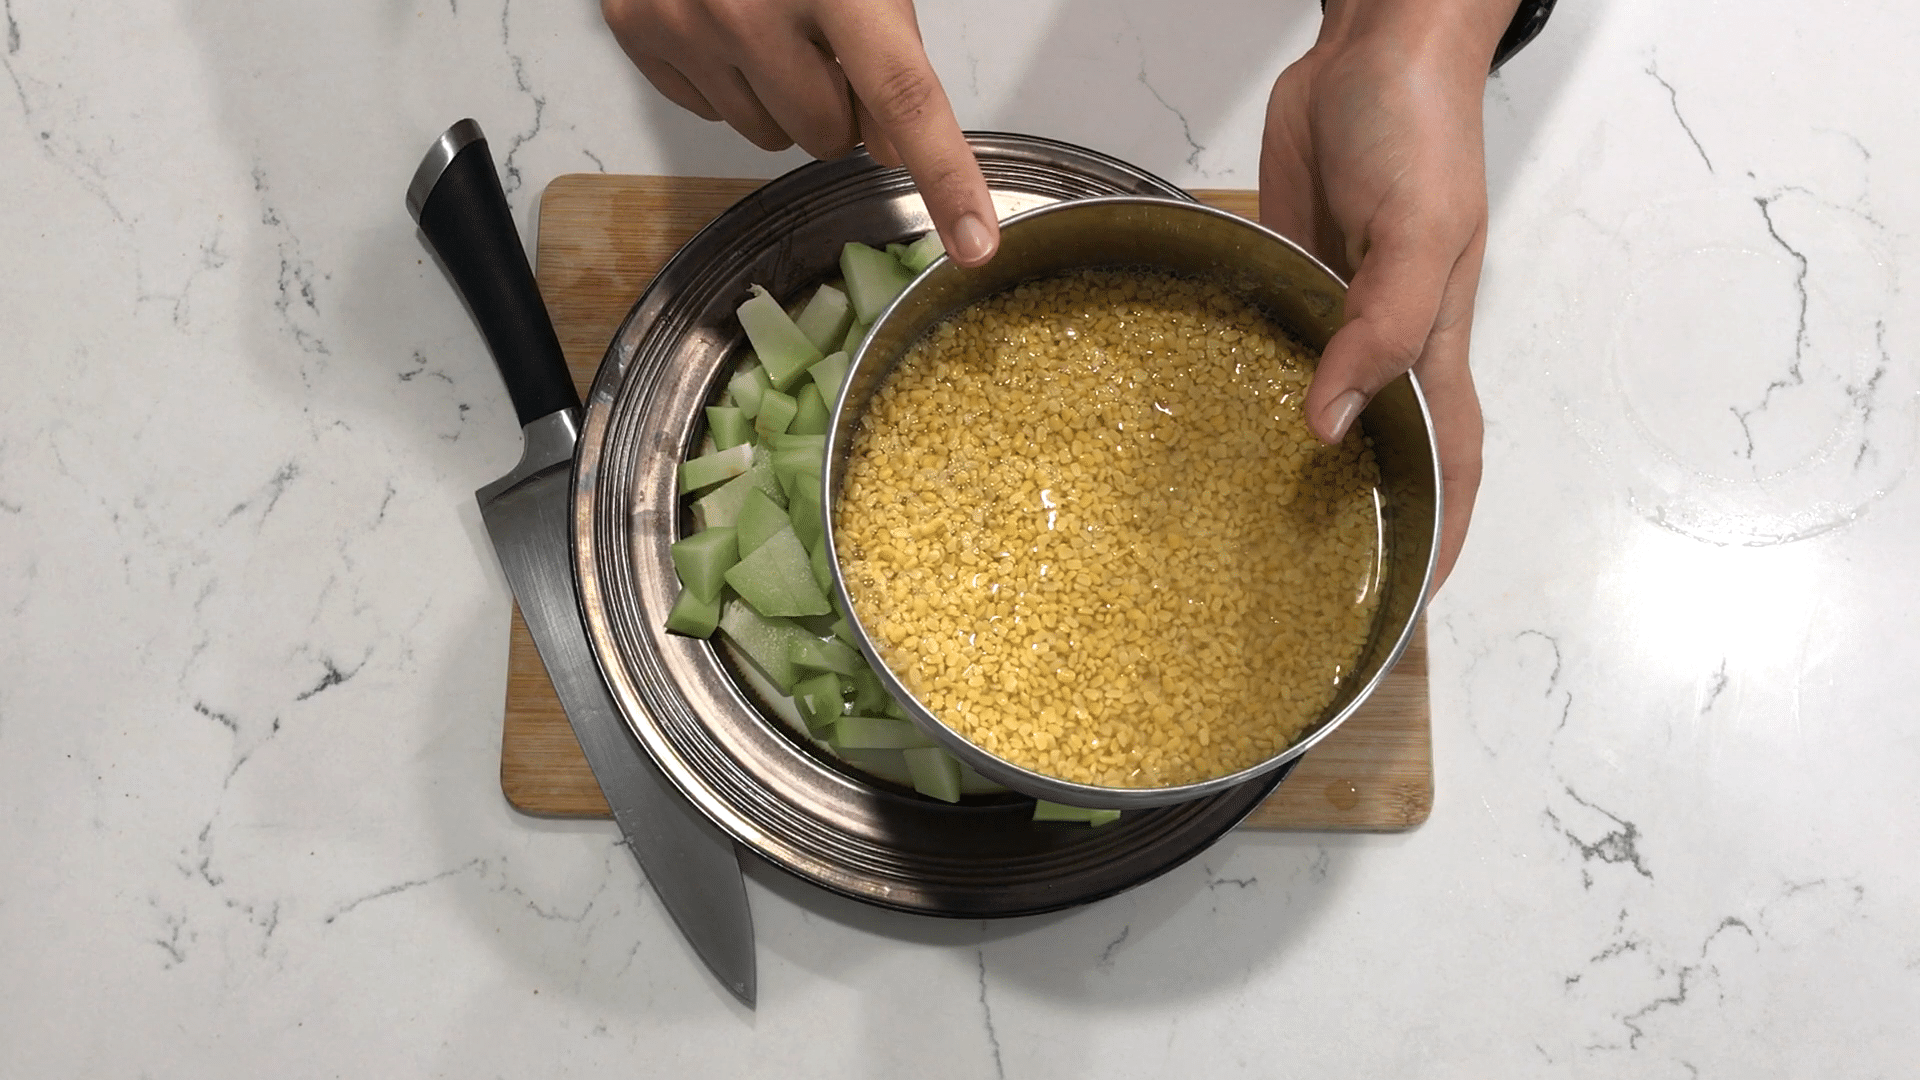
870 697
972 783
776 412
760 517
746 388
787 440
721 506
826 317
885 764
764 692
728 426
920 254
895 709
709 469
704 559
856 334
874 278
879 733
822 565
796 468
693 616
800 459
819 699
1052 811
790 482
826 654
777 580
935 773
897 250
784 349
805 513
820 626
765 641
830 374
811 416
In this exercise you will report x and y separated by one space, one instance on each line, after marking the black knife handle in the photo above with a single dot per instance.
457 200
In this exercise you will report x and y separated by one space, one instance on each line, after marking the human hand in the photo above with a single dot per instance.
826 74
1373 160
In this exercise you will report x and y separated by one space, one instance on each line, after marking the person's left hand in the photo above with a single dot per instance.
825 74
1373 160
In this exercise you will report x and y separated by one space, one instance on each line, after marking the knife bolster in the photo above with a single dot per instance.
546 441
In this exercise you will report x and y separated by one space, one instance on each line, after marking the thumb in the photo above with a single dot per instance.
1391 309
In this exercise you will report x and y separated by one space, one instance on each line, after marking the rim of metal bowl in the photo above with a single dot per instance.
945 287
700 718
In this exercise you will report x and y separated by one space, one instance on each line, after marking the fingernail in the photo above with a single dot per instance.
1340 415
972 241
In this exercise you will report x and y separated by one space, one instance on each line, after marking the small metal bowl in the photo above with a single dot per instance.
1262 267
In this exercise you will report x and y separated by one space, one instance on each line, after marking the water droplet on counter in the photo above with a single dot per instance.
1343 795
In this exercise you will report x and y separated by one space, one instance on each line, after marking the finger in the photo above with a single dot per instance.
806 94
878 145
889 72
1392 305
1458 428
675 87
733 98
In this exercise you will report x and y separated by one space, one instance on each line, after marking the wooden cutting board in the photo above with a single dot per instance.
601 238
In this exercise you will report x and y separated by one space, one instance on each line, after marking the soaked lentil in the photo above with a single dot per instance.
1088 527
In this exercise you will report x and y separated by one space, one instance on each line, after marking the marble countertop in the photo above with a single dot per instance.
252 649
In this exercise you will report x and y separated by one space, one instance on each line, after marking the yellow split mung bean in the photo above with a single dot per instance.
1087 526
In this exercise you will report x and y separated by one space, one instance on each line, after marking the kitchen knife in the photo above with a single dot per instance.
692 866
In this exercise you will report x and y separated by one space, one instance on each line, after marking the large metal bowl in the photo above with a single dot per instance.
689 706
1263 268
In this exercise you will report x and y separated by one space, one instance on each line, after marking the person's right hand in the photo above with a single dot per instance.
826 74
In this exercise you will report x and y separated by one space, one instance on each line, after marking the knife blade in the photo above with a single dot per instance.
691 865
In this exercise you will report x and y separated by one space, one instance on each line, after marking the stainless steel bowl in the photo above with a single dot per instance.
696 712
1261 266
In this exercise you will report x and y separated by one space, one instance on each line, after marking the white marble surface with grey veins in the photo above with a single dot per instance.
252 637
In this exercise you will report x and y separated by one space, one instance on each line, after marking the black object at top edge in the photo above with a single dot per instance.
1527 23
